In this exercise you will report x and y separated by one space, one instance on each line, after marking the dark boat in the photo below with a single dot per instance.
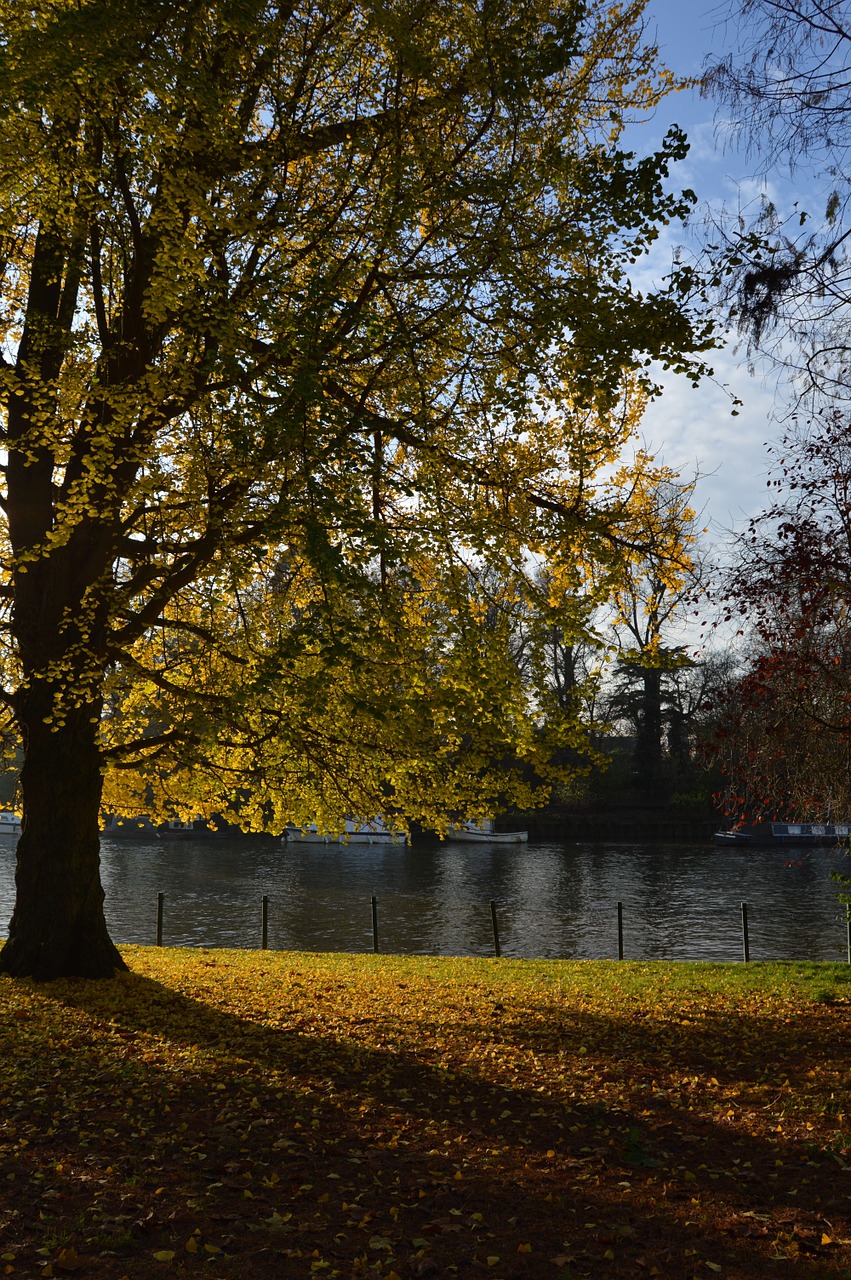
812 834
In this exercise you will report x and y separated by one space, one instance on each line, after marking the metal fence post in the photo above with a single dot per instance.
160 901
495 927
746 950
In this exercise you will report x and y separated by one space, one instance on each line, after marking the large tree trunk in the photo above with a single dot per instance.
58 927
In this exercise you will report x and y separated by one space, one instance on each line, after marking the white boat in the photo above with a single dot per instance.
483 832
10 823
357 831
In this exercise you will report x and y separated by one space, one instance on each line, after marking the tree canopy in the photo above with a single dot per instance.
307 310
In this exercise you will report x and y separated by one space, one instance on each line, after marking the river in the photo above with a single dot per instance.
680 902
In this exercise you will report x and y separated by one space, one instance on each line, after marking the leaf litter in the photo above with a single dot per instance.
256 1114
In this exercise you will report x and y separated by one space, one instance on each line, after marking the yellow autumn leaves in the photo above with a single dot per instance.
321 405
365 1116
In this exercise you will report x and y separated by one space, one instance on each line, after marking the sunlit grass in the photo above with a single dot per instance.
290 1114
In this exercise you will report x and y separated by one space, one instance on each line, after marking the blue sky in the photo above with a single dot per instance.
694 430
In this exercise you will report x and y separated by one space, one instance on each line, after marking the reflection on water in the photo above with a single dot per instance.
680 902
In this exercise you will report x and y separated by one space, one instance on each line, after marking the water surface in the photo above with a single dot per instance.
680 902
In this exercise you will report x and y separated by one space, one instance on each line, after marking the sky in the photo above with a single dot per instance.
694 430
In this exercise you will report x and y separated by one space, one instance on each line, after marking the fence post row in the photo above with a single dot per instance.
264 927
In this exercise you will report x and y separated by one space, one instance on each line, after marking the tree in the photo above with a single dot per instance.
790 284
784 739
647 600
297 300
569 646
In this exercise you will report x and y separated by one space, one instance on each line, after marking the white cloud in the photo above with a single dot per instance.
694 430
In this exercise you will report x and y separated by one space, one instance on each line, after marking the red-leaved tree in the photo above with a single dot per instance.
784 732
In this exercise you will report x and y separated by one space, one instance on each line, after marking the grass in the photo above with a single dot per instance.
234 1114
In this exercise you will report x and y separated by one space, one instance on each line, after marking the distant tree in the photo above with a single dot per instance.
297 300
650 600
694 691
570 646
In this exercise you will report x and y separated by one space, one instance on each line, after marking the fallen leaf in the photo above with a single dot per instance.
69 1260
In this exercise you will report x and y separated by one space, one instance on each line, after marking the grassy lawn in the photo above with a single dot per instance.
235 1114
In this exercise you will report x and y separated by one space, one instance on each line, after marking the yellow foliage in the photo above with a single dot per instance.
320 357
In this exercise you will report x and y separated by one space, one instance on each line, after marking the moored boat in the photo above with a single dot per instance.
140 827
814 834
10 823
177 829
734 837
356 831
137 827
483 832
197 829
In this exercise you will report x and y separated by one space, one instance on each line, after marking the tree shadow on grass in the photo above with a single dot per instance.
523 1136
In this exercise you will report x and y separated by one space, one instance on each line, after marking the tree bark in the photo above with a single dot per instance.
58 928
